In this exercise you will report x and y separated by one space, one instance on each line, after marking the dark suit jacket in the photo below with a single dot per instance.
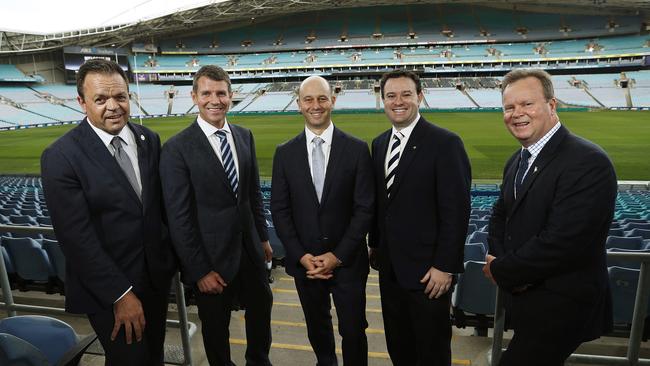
553 235
424 222
207 222
342 219
110 239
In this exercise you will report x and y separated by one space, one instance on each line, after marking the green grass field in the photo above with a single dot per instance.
624 135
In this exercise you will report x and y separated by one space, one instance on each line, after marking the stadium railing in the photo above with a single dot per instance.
636 331
187 328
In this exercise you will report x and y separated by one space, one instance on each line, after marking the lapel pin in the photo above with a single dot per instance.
535 170
142 137
415 147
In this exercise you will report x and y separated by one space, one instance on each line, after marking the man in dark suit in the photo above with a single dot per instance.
103 193
214 204
322 202
548 229
423 180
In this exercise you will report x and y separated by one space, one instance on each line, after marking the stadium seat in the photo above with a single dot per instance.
474 252
56 256
479 223
33 212
4 220
44 221
644 233
27 235
636 225
274 240
29 259
617 262
616 232
9 211
9 266
22 220
54 338
471 228
16 351
473 292
478 237
623 283
624 242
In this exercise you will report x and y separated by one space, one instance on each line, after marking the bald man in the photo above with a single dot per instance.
322 203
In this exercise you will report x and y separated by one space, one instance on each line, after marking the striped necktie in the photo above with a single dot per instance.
393 161
227 160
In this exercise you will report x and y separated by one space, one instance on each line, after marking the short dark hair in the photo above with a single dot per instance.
400 73
99 66
212 72
539 74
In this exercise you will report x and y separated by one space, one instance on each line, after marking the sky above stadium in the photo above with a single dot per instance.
47 16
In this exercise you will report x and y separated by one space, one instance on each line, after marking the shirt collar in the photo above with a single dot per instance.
406 131
326 135
537 147
125 134
209 129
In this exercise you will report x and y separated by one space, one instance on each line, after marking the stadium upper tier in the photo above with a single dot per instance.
407 25
48 104
395 56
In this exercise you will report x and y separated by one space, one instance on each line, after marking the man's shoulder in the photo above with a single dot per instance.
69 140
187 134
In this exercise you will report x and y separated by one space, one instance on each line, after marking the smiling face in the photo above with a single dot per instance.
315 101
527 114
106 101
213 99
401 101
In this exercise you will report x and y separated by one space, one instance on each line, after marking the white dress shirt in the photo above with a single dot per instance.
128 144
406 133
209 131
537 147
326 145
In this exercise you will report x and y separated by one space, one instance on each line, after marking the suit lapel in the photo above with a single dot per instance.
380 161
302 163
336 150
144 155
409 152
243 156
97 150
547 154
206 152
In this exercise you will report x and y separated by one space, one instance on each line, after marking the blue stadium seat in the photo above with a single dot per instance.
9 265
44 221
16 351
479 223
9 211
56 256
29 258
624 242
471 228
616 232
617 262
636 225
474 252
623 282
644 233
22 220
478 237
473 292
274 240
54 338
33 212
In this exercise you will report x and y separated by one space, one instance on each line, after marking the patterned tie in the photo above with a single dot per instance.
393 160
318 166
521 170
126 165
228 161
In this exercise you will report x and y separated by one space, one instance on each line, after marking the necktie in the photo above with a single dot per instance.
521 170
318 166
228 161
126 165
393 160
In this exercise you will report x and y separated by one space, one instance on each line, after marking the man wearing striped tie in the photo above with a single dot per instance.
212 195
423 179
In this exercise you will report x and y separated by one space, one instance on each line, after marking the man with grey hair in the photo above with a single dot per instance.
548 229
322 203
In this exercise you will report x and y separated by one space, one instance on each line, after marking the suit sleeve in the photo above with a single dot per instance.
373 235
453 177
256 195
583 202
363 207
498 220
282 211
183 224
80 241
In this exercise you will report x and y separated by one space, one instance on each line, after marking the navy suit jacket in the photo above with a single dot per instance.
207 222
340 222
553 235
424 222
109 237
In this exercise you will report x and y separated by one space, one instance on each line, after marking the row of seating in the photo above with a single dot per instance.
33 263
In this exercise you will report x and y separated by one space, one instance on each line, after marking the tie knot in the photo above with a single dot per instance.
116 142
221 134
525 154
317 141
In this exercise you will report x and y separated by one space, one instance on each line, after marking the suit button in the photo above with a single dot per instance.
509 237
325 238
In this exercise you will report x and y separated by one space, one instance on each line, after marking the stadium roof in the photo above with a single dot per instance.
120 22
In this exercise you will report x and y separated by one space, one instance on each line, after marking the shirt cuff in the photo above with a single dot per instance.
125 292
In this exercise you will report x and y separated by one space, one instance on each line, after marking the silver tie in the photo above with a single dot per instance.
318 166
126 165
